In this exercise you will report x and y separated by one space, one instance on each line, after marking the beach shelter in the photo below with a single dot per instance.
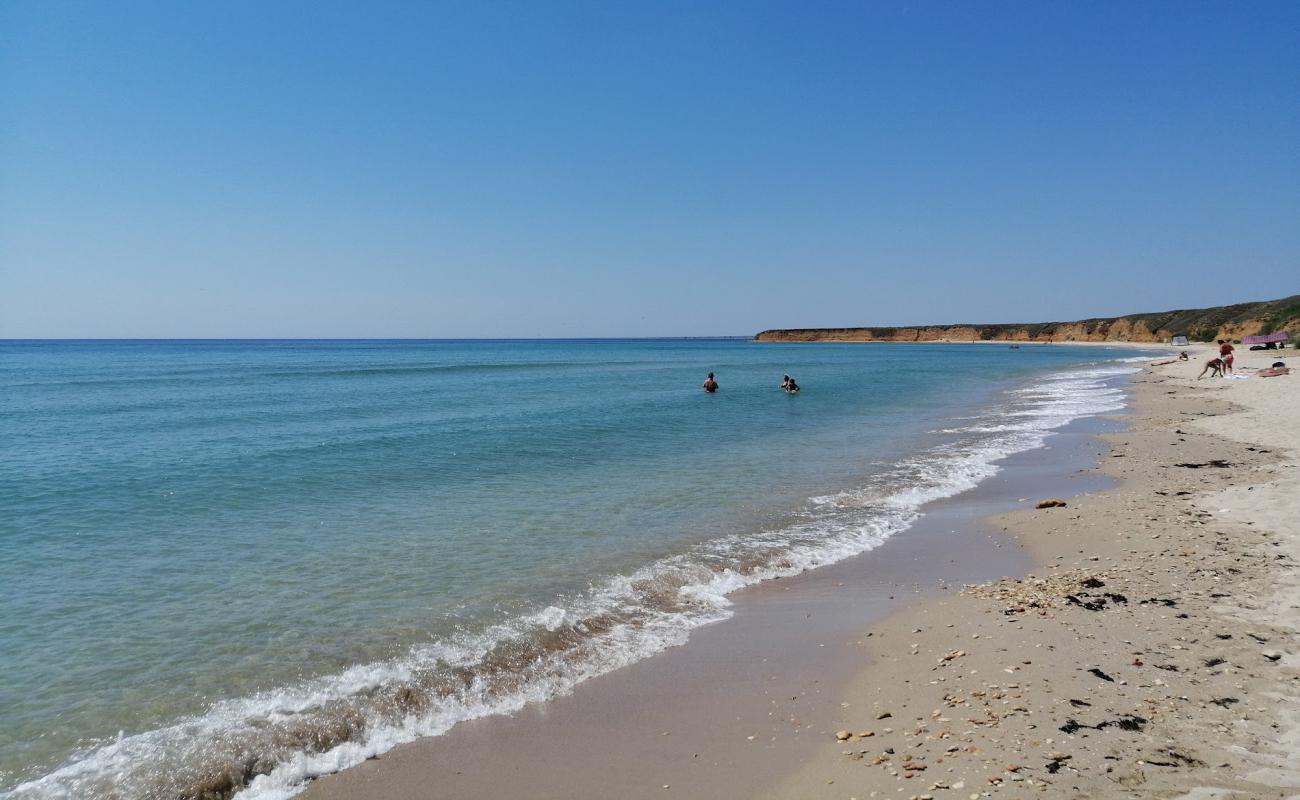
1279 337
1179 341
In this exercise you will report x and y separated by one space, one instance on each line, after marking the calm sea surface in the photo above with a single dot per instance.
235 565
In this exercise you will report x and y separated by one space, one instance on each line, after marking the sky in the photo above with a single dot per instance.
318 169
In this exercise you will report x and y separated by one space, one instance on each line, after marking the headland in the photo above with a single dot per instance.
1201 324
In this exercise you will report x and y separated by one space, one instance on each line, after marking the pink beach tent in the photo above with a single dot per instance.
1279 336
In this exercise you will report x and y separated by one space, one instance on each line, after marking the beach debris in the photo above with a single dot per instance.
884 715
1125 722
1045 593
1100 674
842 735
1214 462
1052 503
1272 655
1179 760
1097 603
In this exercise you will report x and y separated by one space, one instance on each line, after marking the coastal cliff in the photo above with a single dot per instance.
1199 324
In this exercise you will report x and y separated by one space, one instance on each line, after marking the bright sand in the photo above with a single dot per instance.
1194 623
1200 652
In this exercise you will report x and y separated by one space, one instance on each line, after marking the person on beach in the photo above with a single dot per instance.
1182 356
789 385
1225 354
1278 368
710 385
1214 366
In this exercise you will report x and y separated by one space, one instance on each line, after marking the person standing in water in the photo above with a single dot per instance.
789 385
710 385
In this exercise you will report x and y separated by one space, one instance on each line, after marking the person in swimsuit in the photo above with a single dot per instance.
710 385
1225 353
789 385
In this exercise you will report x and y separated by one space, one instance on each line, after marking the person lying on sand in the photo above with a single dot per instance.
1214 366
1278 368
710 385
1181 357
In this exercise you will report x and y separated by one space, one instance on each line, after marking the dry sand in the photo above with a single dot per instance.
1152 653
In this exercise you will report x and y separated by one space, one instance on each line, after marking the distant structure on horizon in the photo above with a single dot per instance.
1199 324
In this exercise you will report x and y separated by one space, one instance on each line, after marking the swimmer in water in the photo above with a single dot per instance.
710 385
789 385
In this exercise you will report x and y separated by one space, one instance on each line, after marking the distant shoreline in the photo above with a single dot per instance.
1200 324
982 342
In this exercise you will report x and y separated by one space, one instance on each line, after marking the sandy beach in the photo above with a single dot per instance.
1143 645
1151 651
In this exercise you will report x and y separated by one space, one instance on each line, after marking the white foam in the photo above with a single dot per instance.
697 585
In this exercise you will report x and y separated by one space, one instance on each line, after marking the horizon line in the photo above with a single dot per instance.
749 336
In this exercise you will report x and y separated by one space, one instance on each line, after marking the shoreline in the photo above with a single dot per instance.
1152 655
1199 652
277 739
772 669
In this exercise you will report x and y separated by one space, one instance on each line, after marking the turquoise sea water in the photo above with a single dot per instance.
235 565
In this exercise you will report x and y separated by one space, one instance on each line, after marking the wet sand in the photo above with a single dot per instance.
746 703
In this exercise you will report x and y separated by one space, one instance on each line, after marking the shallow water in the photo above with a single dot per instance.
258 561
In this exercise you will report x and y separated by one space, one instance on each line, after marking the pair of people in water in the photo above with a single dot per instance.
787 383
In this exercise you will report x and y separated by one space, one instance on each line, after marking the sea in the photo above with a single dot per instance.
227 567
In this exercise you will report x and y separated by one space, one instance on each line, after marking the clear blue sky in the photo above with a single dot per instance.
253 169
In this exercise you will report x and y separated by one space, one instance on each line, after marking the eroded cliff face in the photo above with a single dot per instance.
1205 324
